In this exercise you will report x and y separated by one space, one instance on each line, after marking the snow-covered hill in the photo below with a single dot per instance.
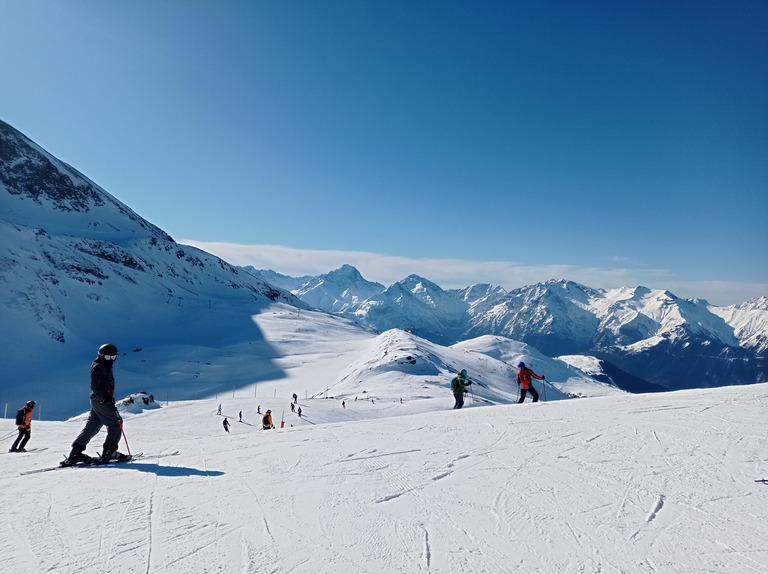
631 484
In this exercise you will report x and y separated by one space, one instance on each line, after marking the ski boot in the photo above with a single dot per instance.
75 457
113 456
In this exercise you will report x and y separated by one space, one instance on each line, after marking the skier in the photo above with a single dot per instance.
524 375
226 424
103 411
299 411
266 421
343 404
219 411
24 416
459 385
293 407
295 398
241 416
258 409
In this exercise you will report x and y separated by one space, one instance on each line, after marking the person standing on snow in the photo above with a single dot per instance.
524 375
226 424
459 386
25 428
266 421
103 411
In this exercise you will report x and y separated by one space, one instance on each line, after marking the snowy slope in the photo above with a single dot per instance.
623 484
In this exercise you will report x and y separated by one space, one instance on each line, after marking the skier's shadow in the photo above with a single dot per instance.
160 470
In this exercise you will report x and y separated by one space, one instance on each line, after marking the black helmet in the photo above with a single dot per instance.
108 350
521 364
31 404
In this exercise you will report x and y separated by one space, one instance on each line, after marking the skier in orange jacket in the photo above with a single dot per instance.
524 375
25 428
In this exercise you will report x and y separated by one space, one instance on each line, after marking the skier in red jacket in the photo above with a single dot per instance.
524 375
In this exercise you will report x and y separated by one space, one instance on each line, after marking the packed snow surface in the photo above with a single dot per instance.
625 483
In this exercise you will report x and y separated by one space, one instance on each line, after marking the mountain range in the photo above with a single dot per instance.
649 338
78 268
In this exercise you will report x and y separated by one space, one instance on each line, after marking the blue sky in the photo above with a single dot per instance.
612 143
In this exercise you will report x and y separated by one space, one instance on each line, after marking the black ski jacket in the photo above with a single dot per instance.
102 381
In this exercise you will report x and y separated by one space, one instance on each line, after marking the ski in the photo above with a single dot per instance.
98 462
40 449
763 480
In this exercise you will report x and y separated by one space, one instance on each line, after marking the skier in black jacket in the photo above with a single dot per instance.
103 411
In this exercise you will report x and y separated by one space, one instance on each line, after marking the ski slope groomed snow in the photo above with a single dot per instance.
634 483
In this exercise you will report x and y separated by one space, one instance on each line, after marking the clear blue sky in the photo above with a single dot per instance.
611 142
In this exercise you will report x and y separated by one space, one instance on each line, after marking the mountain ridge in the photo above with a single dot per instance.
651 334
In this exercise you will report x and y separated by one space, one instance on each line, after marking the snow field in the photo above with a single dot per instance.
631 483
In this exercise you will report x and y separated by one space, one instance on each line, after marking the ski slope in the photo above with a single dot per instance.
626 483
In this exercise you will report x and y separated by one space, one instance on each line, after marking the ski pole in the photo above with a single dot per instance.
124 437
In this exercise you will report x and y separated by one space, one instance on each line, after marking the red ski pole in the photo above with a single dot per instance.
125 439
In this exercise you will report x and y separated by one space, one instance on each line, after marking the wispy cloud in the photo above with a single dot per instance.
456 273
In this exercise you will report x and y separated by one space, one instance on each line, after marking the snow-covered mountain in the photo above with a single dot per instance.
78 269
656 338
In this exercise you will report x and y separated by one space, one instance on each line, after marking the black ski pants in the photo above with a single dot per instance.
102 414
533 392
459 400
22 440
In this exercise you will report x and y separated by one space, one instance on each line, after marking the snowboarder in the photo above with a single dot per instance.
24 422
459 385
226 424
266 421
524 375
103 411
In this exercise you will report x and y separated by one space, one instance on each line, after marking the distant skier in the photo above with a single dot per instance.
24 422
219 411
295 398
293 407
266 421
343 404
103 411
459 385
226 424
241 416
299 411
258 409
524 375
